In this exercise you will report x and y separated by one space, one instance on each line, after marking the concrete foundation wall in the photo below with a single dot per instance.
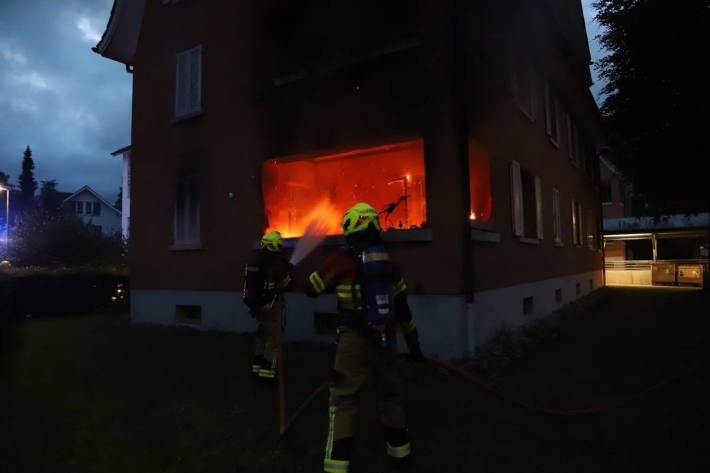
447 326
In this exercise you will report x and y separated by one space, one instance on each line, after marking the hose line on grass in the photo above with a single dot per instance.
487 387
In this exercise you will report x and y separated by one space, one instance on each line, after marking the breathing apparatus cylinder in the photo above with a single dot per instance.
378 290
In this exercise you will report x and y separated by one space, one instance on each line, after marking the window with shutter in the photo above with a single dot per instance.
79 207
577 229
552 115
97 208
516 198
538 206
522 78
556 231
188 82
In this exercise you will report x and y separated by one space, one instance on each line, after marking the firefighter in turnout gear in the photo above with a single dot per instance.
372 303
267 277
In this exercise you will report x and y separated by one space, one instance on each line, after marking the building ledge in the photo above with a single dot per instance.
185 246
397 236
187 116
529 241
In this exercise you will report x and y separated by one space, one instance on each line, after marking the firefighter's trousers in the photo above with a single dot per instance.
267 338
358 357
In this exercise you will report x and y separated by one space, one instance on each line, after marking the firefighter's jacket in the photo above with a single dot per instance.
340 273
277 278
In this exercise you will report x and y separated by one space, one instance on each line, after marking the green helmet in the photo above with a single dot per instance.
272 241
359 217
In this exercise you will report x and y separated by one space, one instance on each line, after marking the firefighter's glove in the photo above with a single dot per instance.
415 355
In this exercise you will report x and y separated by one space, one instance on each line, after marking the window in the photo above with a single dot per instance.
88 206
578 289
79 208
526 193
577 235
479 172
187 211
573 145
188 82
558 295
605 192
523 84
556 221
552 115
591 230
590 158
528 305
390 178
97 209
188 314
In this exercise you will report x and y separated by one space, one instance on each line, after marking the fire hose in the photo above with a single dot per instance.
487 387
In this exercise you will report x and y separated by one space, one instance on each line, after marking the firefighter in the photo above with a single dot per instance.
366 347
266 280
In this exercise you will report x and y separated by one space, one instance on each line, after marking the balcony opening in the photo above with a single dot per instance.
390 178
479 174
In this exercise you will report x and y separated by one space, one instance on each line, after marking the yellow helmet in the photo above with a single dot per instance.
358 218
272 241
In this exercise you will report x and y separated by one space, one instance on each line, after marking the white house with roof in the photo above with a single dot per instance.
94 210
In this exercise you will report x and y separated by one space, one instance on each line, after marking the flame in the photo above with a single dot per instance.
473 216
323 219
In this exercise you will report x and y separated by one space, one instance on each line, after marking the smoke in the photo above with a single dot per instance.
323 220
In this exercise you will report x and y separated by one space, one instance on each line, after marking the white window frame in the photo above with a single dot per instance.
188 82
186 214
556 221
518 210
577 227
552 108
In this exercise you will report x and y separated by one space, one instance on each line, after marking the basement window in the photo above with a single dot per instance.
528 305
391 178
188 314
479 174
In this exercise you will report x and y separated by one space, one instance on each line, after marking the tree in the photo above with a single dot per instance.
655 104
4 179
119 199
50 201
28 184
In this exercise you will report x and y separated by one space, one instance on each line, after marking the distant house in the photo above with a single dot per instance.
125 154
94 210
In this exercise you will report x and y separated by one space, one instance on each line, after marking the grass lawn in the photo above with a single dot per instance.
95 394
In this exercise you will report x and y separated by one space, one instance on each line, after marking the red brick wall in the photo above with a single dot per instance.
245 122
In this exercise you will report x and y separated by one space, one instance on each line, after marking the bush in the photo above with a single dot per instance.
57 291
45 239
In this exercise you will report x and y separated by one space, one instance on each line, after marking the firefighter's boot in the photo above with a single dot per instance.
399 449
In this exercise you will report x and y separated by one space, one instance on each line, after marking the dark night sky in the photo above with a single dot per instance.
72 106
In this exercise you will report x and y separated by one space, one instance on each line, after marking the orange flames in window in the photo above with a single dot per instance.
390 178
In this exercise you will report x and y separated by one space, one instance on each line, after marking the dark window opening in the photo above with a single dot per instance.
528 305
319 33
578 289
529 204
605 192
558 295
188 314
591 285
187 210
479 172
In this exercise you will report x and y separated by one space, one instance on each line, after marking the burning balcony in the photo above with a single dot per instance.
391 178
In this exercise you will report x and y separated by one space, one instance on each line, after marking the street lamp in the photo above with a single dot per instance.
7 217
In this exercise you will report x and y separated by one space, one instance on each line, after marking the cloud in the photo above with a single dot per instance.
88 29
71 106
32 78
11 55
